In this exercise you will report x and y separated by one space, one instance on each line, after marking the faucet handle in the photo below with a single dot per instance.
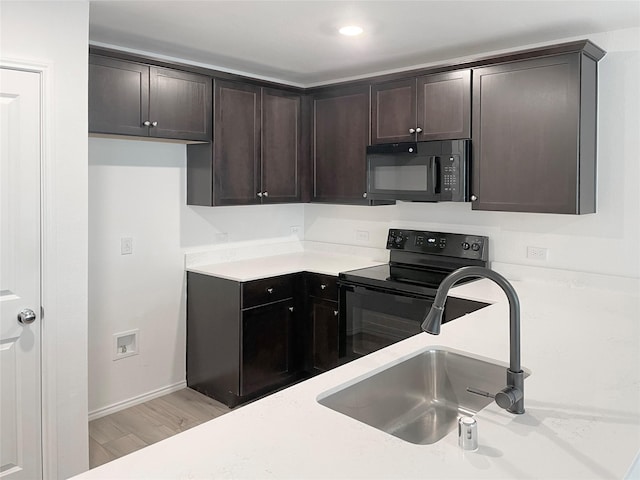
508 397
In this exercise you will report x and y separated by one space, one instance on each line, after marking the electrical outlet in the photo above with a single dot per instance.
362 236
537 253
126 246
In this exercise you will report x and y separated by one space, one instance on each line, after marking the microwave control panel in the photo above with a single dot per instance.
438 243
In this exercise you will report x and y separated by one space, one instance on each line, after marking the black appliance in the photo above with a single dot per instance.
436 171
384 304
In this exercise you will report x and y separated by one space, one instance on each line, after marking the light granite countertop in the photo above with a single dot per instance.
271 266
580 341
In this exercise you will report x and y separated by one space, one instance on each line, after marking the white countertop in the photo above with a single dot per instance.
272 266
582 400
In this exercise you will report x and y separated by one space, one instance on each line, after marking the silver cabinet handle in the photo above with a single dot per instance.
146 123
323 286
266 194
473 198
154 124
412 130
291 309
260 194
335 313
27 316
269 290
364 195
418 130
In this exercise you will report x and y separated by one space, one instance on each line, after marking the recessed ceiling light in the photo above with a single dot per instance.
351 30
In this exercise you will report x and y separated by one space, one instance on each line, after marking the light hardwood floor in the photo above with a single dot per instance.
136 427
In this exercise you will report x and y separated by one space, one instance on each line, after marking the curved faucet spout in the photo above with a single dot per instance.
512 397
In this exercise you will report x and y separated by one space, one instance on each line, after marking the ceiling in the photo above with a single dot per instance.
297 42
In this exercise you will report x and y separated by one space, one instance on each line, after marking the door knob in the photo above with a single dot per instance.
412 130
260 194
266 194
27 316
418 130
146 123
154 124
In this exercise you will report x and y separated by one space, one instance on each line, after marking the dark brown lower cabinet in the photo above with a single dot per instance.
267 346
241 336
324 324
248 339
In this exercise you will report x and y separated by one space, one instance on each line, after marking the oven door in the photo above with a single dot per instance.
372 319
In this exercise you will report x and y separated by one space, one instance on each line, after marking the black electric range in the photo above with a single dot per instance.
384 304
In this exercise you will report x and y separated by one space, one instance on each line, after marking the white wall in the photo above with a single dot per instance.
605 242
137 189
56 34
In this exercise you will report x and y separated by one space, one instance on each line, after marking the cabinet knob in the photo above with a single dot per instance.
412 130
335 313
418 130
364 195
323 286
473 198
269 290
291 309
260 194
146 123
265 194
154 124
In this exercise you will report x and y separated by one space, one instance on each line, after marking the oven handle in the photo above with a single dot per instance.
368 290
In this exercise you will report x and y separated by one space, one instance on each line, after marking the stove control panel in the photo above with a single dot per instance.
438 243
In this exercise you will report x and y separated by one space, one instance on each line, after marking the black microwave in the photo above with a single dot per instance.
436 171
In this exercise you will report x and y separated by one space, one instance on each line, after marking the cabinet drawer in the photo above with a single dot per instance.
322 286
267 290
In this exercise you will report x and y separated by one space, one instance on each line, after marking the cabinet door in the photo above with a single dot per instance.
181 105
444 106
281 126
236 143
525 135
266 346
340 139
393 111
324 319
118 97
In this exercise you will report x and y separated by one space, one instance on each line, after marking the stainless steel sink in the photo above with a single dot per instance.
420 399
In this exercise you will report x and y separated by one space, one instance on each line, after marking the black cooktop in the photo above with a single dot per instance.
419 261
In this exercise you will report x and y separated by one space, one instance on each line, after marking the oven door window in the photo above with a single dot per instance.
377 319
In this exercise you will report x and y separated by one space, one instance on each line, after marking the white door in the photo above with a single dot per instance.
20 370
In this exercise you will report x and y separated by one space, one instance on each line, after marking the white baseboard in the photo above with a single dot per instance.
145 397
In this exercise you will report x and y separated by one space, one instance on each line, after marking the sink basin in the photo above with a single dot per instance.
420 399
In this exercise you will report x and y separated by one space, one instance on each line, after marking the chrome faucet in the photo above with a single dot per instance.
511 398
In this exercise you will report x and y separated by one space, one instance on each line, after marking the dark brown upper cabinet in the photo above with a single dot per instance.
281 146
255 156
534 135
127 98
340 135
236 160
429 107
